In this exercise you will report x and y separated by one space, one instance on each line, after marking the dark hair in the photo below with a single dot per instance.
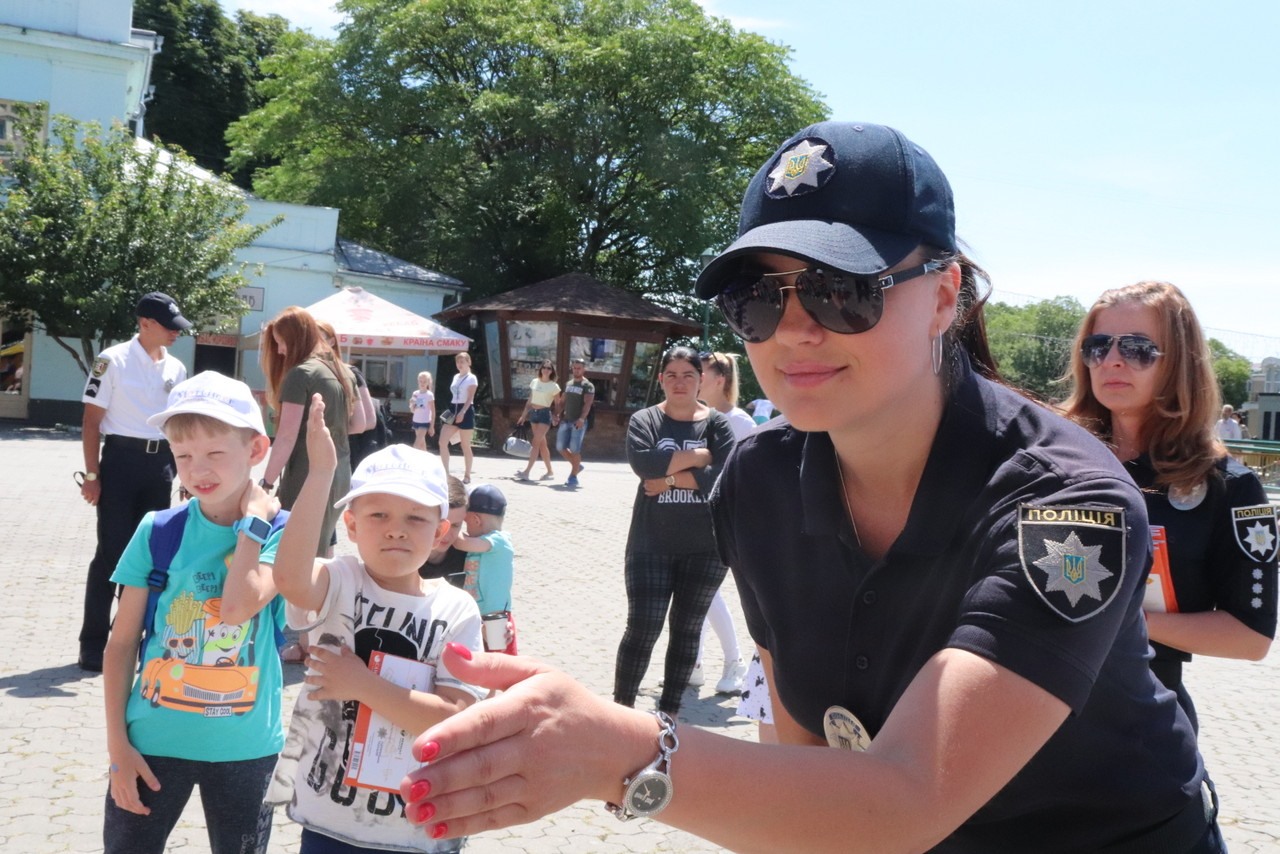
968 332
548 364
681 354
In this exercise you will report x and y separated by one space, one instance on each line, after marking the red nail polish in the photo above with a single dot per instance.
419 791
426 753
461 650
439 831
424 814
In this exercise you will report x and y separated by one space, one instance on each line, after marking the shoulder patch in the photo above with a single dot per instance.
1255 529
1073 556
100 366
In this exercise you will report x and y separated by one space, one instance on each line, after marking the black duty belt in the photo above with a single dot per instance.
150 446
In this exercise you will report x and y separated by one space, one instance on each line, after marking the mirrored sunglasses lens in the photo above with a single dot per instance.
1139 352
1094 349
847 305
751 308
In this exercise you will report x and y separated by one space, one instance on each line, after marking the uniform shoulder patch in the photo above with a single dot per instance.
1073 556
1256 533
100 366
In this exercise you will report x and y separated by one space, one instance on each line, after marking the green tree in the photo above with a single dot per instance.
205 74
1032 343
92 221
1233 372
507 141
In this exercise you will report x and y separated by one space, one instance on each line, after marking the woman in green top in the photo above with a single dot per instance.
298 363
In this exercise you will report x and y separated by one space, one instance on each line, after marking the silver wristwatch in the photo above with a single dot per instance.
649 790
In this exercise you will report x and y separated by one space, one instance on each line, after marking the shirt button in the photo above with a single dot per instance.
861 662
869 598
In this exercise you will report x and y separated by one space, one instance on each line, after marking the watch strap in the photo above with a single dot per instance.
656 772
255 528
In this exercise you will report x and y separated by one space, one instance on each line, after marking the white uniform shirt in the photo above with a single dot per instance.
132 387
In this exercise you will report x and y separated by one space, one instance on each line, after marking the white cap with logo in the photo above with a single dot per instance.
217 396
400 470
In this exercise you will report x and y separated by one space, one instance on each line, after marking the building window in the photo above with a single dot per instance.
385 374
529 342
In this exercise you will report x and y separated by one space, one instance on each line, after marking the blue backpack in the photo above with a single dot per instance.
167 527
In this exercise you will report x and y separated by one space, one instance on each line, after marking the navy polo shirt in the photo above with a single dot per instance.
1221 553
1026 544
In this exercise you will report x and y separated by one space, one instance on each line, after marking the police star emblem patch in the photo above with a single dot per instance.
1073 556
1256 533
801 169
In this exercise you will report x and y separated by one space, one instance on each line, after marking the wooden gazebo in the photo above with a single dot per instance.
620 335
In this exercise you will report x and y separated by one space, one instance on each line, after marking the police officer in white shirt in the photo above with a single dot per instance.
129 383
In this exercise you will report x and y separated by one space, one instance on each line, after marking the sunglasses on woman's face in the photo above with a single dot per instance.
1138 351
753 302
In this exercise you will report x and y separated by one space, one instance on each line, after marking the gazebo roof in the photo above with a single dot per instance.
575 294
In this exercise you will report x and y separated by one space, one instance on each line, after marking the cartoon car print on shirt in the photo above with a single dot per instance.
217 678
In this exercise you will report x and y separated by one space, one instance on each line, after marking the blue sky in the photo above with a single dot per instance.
1090 144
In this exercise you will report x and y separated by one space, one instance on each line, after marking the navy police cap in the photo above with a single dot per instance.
855 197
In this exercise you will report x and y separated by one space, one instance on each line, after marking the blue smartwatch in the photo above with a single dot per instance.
255 528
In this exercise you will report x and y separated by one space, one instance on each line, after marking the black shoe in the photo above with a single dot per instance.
90 663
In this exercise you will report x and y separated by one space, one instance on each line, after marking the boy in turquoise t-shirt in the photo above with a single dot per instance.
489 568
204 709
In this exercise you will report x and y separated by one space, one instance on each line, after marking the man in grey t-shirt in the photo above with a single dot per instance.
578 395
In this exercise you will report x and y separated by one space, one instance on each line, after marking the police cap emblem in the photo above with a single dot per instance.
1073 556
802 168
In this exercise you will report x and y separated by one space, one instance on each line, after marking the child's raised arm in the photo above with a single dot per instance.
302 579
250 583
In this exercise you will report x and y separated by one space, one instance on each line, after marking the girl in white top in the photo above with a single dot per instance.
720 392
463 388
537 411
423 404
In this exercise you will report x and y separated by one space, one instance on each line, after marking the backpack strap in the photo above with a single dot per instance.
167 527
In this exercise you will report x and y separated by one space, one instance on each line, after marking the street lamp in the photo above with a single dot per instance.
708 255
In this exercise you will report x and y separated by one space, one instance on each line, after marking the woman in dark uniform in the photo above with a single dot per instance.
1143 382
952 601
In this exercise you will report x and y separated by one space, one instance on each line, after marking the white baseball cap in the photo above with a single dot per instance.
400 470
217 396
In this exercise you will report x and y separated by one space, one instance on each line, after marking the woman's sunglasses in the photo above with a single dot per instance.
1138 351
753 302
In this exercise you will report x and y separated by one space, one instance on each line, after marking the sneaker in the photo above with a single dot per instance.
731 681
572 482
521 476
695 678
548 476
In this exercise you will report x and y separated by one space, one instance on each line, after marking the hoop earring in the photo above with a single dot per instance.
935 353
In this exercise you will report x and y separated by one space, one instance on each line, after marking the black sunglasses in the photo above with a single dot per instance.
1138 351
845 303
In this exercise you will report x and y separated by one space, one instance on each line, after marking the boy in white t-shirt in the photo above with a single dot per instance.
359 608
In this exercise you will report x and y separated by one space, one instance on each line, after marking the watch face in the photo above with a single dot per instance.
258 529
649 793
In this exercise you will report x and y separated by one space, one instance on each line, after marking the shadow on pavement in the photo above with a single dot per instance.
45 682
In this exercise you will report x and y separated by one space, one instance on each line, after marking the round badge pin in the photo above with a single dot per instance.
844 731
1188 499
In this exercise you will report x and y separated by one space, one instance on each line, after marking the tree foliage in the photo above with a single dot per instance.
205 74
1032 343
93 221
1233 372
508 141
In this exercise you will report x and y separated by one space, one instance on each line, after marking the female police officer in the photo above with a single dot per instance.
953 598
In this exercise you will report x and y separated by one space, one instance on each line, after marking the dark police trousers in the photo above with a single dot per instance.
134 482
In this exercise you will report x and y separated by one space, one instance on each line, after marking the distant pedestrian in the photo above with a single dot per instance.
1228 427
128 383
204 709
422 403
543 391
489 568
462 413
576 400
761 410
